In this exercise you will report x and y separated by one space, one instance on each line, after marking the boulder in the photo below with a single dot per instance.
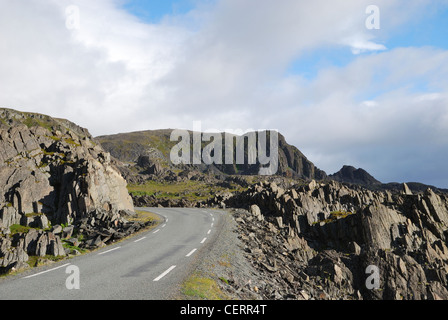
255 210
406 190
322 238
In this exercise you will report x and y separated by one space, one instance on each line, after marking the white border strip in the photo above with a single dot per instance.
37 274
109 251
140 239
191 252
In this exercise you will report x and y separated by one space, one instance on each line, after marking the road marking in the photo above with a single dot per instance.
191 252
203 240
109 251
37 274
156 231
209 231
212 225
164 225
140 239
213 219
165 273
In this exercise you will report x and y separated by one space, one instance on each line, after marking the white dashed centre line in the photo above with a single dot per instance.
165 273
203 240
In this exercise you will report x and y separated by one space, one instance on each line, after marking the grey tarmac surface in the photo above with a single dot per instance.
149 266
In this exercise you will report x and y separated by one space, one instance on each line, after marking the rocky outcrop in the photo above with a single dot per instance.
352 175
322 241
51 172
105 227
149 153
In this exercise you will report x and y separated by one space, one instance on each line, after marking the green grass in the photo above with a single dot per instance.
35 261
17 228
197 287
70 246
144 216
46 122
334 216
72 142
189 190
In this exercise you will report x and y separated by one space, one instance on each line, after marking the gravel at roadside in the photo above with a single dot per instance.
226 264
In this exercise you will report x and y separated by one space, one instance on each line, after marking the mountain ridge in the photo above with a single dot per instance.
153 148
128 147
307 239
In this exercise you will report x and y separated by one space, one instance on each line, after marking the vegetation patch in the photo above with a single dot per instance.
72 142
197 287
17 228
189 190
334 216
35 261
145 216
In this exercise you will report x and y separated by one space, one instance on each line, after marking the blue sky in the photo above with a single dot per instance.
428 29
342 94
153 11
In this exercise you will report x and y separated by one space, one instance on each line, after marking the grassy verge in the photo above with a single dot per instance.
145 216
198 287
188 190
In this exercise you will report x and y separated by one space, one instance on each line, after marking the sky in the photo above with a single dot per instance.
345 82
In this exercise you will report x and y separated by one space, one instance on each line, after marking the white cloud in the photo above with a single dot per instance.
359 47
224 64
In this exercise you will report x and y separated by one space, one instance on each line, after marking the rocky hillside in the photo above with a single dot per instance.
331 241
352 175
149 152
57 187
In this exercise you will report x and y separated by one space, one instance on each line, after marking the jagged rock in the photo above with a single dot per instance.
67 232
56 229
9 216
51 169
354 248
255 210
406 190
12 258
322 237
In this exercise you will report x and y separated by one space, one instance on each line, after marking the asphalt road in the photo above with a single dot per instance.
149 266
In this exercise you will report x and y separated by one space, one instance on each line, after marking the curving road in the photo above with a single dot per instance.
149 266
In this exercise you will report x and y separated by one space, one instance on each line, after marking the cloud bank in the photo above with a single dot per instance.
226 63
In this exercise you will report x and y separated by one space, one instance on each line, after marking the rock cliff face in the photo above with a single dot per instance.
322 241
51 173
149 153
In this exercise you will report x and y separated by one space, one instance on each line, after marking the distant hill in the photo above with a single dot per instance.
156 144
352 175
